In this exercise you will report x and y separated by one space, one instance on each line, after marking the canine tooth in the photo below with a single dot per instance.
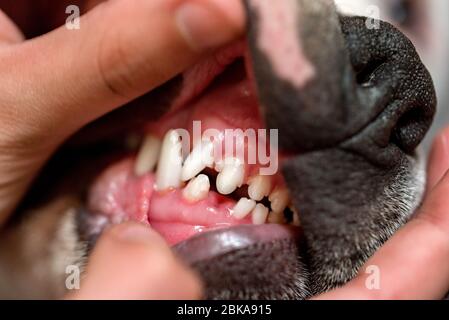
200 158
243 208
276 217
260 214
279 199
197 189
148 154
231 177
169 169
259 187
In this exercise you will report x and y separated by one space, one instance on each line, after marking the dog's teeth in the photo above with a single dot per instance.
197 189
231 177
243 208
147 157
260 214
202 156
279 199
169 169
276 217
259 187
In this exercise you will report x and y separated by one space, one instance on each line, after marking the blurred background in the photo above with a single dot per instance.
424 21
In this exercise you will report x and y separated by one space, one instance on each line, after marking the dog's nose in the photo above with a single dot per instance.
392 81
323 79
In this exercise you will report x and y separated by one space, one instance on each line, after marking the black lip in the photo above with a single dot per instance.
249 262
218 242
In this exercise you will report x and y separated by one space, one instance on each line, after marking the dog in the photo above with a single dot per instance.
351 118
427 27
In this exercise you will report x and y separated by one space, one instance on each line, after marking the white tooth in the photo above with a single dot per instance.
197 189
276 217
202 156
259 187
243 208
260 214
279 199
147 157
231 177
169 169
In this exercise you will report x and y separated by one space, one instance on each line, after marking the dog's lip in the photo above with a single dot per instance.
222 241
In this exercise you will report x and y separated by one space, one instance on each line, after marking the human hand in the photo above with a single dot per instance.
53 85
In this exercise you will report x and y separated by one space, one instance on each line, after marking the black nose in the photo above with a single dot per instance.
363 77
390 79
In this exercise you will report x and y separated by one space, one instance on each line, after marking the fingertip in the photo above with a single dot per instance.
134 233
9 32
209 24
234 11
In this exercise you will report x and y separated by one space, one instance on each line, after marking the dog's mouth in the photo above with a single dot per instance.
214 203
215 183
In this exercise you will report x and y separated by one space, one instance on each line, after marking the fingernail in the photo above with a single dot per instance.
134 232
209 24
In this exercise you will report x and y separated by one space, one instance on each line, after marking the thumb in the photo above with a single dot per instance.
65 79
131 261
9 32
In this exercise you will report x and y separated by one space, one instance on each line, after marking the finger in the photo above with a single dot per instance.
53 85
9 32
439 159
133 262
414 263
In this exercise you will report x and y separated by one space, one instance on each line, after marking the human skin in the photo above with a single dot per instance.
106 64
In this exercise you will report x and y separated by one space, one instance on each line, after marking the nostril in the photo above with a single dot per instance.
366 73
410 129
